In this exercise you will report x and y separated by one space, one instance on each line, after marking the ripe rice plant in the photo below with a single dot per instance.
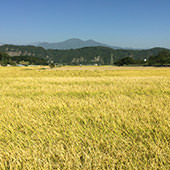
84 118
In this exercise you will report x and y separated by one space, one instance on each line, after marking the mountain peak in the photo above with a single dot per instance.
72 43
74 39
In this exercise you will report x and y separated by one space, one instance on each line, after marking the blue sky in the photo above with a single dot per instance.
124 23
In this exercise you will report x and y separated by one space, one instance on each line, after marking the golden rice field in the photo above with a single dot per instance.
88 118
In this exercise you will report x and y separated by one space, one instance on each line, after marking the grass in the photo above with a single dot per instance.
84 118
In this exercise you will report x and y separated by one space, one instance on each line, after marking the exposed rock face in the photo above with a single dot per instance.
78 60
14 53
19 53
13 50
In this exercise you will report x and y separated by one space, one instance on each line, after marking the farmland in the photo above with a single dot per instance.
89 117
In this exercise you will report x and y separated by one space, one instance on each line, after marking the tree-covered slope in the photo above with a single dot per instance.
86 55
102 55
15 50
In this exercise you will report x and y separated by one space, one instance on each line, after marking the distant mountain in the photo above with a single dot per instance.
72 44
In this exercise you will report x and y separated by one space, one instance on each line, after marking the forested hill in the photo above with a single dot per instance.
86 55
101 55
15 50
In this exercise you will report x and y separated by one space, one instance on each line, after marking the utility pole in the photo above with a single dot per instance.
111 59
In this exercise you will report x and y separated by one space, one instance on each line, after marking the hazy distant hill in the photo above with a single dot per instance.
72 44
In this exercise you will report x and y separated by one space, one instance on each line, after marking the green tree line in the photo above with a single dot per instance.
87 55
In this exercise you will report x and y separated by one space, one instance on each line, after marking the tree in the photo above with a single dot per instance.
163 58
4 59
25 63
51 65
125 61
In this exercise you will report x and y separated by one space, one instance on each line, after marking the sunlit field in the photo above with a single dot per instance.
88 117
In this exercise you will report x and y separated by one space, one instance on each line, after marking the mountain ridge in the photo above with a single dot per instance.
73 43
